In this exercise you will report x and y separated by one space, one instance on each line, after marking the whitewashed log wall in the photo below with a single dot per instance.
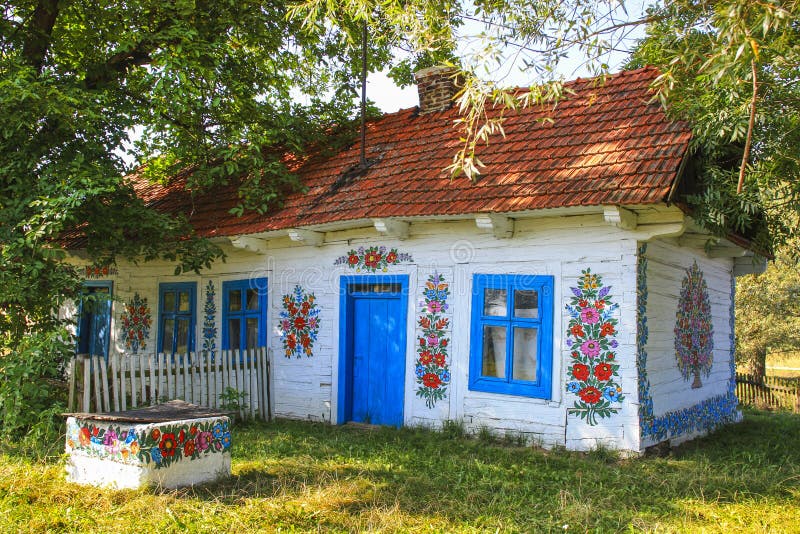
307 387
667 264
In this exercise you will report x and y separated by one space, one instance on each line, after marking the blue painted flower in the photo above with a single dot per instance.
155 454
131 437
611 394
217 431
420 371
226 440
445 376
573 387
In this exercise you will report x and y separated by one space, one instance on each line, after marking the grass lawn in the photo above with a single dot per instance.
294 476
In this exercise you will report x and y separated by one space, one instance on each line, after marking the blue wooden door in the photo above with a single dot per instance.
378 356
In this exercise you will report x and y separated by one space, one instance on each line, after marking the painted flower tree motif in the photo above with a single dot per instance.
432 369
210 319
592 372
372 259
299 323
694 331
136 323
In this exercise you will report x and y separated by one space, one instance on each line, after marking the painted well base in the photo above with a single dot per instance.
127 456
91 471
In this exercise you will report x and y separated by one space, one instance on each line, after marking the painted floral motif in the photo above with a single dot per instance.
99 271
694 331
299 323
592 371
210 319
432 369
136 324
706 415
167 444
109 442
372 259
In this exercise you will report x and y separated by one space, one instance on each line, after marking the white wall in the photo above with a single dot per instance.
667 264
559 246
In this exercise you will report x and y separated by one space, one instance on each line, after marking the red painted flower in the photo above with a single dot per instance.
193 431
188 448
575 354
300 322
371 259
424 322
443 342
580 371
155 434
607 329
391 257
577 331
603 371
425 357
84 437
291 341
305 341
600 304
610 356
304 308
439 360
431 380
168 445
590 395
583 303
352 259
181 436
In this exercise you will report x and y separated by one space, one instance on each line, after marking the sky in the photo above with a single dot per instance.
389 98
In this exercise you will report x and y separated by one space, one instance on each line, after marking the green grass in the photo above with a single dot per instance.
293 476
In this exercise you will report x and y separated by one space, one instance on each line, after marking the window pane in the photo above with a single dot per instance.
252 299
526 304
494 351
235 300
375 288
169 302
183 336
494 302
168 330
184 301
252 333
524 366
234 334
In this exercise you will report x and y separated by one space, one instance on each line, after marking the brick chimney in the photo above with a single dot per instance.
437 86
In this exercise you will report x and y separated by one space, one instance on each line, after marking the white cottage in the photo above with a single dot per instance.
566 296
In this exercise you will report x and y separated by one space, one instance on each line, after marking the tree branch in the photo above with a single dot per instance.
750 126
120 62
40 31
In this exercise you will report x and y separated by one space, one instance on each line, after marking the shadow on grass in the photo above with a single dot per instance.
310 468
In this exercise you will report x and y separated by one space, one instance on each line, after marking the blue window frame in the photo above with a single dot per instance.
94 323
244 314
511 339
177 317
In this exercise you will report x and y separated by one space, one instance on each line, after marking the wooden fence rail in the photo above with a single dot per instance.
221 379
772 392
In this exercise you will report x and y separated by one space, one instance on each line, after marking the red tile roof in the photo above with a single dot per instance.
607 144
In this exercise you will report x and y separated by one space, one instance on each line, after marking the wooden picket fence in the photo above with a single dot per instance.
771 392
225 380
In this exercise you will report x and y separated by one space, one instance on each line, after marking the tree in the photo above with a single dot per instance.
767 314
222 88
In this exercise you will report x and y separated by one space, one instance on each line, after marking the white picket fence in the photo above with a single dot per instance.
213 380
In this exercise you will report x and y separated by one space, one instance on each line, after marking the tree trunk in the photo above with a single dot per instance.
758 365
